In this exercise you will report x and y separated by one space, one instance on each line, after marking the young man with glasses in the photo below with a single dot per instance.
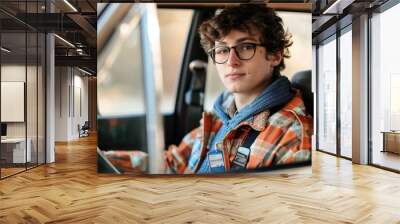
260 121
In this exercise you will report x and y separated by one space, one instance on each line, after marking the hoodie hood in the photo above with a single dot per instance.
277 93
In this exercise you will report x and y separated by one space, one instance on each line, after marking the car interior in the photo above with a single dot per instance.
128 132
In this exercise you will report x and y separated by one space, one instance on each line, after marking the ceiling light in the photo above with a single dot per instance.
5 50
70 5
64 40
84 71
337 7
80 51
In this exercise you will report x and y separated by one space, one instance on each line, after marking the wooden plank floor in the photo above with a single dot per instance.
10 171
70 191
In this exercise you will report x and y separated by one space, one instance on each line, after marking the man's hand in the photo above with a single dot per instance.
128 162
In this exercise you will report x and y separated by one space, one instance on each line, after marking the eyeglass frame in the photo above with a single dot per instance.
209 52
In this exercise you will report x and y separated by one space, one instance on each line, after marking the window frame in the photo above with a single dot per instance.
347 27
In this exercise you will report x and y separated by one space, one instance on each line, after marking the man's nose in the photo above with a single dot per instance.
233 59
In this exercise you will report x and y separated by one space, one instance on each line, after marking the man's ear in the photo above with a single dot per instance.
275 58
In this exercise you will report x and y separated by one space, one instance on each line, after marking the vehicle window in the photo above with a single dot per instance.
299 25
119 92
174 28
214 86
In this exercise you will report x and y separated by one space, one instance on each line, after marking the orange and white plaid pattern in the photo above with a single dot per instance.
284 138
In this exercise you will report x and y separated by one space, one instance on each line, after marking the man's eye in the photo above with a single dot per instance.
222 51
246 47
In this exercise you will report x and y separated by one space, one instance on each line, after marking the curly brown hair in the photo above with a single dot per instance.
248 18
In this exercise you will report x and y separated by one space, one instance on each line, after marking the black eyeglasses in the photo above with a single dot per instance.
244 51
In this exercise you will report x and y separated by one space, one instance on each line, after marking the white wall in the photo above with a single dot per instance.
61 103
71 94
16 73
33 126
80 103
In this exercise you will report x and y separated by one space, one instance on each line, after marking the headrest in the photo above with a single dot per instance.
302 80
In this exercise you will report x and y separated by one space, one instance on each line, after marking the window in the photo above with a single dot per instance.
120 79
174 29
22 76
385 87
327 96
346 94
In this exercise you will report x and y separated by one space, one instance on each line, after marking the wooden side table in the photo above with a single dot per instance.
391 141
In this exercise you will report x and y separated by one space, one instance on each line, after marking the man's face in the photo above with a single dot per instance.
246 76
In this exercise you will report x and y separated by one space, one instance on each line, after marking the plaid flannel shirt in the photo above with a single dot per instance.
284 138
